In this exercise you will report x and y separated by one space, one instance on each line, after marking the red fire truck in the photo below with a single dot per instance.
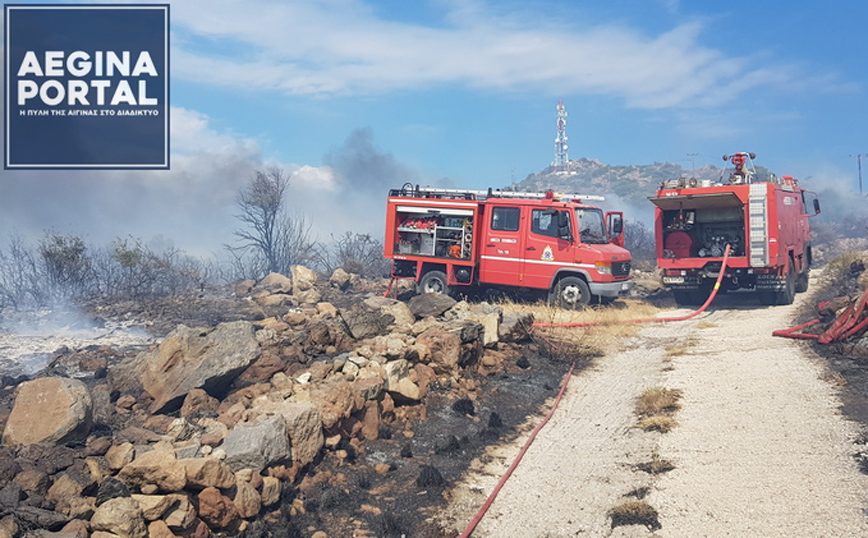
450 239
764 219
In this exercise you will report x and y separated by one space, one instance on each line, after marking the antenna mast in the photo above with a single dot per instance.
562 159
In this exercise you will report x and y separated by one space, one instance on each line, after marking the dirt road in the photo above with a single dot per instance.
760 448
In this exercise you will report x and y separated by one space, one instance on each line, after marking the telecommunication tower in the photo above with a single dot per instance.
561 156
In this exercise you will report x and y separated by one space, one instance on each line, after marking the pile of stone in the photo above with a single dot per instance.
207 431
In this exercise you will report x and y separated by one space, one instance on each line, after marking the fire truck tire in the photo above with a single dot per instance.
784 296
788 294
571 293
802 280
433 282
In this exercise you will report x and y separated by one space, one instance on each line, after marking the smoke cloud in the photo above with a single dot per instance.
193 205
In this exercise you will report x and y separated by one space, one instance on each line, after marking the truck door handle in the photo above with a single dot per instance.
489 244
531 248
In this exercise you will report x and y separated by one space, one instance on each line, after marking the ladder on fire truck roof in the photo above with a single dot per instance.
410 190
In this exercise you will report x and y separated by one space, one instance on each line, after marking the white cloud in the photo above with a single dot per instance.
313 47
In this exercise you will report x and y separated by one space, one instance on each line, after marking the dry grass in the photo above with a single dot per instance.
677 350
656 466
609 321
635 513
657 423
655 408
706 325
658 401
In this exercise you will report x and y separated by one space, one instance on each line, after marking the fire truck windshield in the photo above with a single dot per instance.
591 226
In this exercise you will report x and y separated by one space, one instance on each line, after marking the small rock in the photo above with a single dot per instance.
198 402
270 490
247 501
216 509
111 488
159 529
275 282
205 472
153 506
119 455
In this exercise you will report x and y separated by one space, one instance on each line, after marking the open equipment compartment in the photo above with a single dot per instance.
441 233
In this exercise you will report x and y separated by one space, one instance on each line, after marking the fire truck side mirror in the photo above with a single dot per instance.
564 231
816 206
616 224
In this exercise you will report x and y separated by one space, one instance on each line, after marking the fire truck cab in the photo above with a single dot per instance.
449 239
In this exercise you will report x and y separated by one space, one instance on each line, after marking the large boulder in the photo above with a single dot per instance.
120 516
303 426
515 326
257 444
398 381
203 358
303 280
397 309
207 472
275 283
157 468
439 347
364 323
49 410
430 304
340 279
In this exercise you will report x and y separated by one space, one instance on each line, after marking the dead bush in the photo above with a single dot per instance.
658 401
635 513
656 465
657 423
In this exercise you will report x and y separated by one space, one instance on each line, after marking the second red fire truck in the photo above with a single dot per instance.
762 217
450 239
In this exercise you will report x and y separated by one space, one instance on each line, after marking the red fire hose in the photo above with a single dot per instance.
847 324
651 320
479 515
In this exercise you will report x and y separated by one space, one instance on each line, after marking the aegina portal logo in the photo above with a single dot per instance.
87 86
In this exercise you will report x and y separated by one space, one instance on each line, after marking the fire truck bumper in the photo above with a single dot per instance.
610 289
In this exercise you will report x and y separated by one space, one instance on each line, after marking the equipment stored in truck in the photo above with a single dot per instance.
449 240
764 218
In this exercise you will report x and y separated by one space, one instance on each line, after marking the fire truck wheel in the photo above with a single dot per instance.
571 293
788 294
802 280
781 297
433 282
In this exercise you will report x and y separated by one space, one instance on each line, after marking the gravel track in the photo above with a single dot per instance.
761 448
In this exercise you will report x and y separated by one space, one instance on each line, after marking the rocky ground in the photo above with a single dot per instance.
293 406
288 407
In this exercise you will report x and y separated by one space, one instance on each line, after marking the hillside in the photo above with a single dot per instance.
632 183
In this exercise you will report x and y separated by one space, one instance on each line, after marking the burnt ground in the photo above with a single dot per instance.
388 487
424 457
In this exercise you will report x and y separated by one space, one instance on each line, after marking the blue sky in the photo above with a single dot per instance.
354 96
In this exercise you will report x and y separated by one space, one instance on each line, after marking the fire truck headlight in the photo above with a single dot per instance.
604 268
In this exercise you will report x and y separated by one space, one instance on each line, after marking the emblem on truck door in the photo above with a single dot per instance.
548 254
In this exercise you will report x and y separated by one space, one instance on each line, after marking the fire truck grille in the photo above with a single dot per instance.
621 268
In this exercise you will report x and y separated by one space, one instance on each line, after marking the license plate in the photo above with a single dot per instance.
673 280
